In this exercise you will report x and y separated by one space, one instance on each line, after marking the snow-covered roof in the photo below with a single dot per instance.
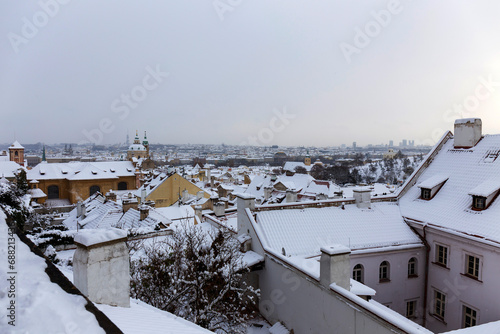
16 145
486 188
291 165
81 170
302 232
36 193
143 318
466 120
433 181
8 169
468 170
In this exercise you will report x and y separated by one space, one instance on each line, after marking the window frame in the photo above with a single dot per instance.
425 193
446 255
359 269
442 305
480 199
477 267
386 277
413 273
473 316
410 315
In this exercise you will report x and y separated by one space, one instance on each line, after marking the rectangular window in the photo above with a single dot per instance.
439 304
469 316
478 202
411 309
472 266
425 193
442 255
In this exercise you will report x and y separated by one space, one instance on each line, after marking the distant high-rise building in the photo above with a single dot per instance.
391 143
353 144
412 143
404 143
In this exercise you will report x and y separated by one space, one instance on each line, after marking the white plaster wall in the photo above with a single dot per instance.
304 306
400 288
103 274
467 135
459 289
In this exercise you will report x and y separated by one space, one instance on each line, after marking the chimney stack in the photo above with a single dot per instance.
219 209
335 266
244 201
144 212
291 196
101 266
267 192
362 197
468 131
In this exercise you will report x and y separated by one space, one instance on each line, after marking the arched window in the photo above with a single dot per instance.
53 192
94 189
412 267
384 272
358 273
16 153
122 186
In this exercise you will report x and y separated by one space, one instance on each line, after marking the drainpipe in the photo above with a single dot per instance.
426 283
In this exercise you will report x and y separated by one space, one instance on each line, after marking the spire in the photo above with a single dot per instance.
43 154
145 141
136 139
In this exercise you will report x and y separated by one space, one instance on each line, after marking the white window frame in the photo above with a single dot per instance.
442 303
474 318
466 265
436 254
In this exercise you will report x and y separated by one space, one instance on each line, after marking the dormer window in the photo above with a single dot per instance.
484 194
478 202
430 187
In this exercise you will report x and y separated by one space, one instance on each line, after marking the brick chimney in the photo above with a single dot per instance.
468 131
335 266
291 196
144 212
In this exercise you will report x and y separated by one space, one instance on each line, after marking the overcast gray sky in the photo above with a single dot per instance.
342 71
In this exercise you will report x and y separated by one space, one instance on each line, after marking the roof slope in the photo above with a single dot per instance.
451 206
301 232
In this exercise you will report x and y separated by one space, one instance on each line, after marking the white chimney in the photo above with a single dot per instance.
199 195
362 197
468 132
244 201
143 195
219 209
101 266
291 196
335 266
267 192
198 211
185 195
79 209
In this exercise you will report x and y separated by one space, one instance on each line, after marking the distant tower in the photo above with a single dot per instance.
44 158
137 150
127 142
353 144
307 160
145 143
16 153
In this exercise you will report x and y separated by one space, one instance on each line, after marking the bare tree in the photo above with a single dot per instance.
198 276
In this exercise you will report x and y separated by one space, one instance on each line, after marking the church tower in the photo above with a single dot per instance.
145 143
307 160
16 153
